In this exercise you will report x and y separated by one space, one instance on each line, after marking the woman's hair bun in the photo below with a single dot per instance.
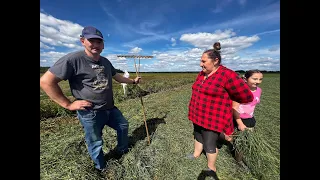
217 46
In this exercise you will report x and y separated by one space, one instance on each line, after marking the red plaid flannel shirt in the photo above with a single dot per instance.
211 100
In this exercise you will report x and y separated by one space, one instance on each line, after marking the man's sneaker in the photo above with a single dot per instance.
114 154
101 171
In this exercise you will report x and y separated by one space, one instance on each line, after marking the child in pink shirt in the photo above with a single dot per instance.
244 113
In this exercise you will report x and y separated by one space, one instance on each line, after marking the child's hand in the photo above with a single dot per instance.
228 137
242 127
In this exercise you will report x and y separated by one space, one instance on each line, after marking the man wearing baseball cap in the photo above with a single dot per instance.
90 80
91 32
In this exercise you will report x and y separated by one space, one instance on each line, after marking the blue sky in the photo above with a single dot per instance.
174 32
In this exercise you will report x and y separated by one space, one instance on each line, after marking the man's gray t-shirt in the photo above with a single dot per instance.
88 79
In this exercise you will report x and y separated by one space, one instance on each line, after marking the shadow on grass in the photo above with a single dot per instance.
137 135
204 174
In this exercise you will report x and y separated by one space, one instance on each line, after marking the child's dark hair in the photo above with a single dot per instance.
250 72
215 52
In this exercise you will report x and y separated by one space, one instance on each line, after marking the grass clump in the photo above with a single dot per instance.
258 154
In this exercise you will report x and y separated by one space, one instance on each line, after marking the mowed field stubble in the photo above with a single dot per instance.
63 153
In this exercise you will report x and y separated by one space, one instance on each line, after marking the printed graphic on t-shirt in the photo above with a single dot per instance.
101 82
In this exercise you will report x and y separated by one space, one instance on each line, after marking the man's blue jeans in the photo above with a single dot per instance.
93 121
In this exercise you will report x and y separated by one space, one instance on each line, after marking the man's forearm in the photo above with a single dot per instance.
55 93
128 80
122 79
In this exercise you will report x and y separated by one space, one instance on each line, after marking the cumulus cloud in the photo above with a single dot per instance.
57 32
135 50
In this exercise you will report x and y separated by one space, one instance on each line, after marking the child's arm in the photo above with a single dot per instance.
236 116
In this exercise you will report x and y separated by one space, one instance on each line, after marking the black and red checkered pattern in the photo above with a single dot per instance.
211 100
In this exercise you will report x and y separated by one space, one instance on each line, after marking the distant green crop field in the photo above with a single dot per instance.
151 83
63 153
148 80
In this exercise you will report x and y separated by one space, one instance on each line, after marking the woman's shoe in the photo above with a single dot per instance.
212 174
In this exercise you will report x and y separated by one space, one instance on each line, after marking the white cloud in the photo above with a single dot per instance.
232 50
56 32
51 56
247 63
206 40
135 50
272 51
42 45
118 62
230 44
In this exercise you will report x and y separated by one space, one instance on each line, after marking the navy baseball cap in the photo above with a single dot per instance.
91 32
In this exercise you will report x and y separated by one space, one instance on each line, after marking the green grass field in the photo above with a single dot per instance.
63 153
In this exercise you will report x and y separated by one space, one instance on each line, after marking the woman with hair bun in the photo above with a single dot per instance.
210 106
